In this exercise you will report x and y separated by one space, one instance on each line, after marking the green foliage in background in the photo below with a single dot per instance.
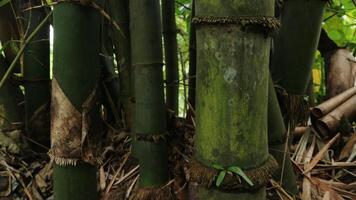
340 25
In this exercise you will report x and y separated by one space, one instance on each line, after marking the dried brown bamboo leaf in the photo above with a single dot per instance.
298 155
346 151
326 188
320 154
306 193
280 191
307 186
327 196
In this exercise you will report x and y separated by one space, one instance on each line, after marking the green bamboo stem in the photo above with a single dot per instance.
170 54
150 115
77 183
121 39
296 43
37 77
231 92
277 135
76 60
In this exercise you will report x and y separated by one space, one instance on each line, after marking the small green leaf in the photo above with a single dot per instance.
4 2
220 178
238 171
219 167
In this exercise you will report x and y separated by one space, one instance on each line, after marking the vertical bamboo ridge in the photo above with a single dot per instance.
77 71
150 118
296 43
231 91
277 142
121 40
170 54
37 77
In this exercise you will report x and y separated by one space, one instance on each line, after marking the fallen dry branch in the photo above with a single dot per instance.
329 105
330 123
309 166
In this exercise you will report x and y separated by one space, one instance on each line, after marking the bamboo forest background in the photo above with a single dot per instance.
339 23
142 142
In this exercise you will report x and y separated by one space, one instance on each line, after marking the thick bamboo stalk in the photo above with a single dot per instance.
296 43
231 92
37 77
170 54
150 113
329 105
294 49
75 182
277 139
329 124
121 40
192 61
76 73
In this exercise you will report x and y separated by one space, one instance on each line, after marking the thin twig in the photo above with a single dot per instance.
22 49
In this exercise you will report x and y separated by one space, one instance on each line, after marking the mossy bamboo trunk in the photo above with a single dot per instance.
10 97
150 114
122 47
170 54
277 139
295 47
36 77
232 90
76 75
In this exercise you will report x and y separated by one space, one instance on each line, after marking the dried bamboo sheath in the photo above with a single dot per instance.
330 123
327 106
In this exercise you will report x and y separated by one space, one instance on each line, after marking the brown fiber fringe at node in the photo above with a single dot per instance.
163 193
295 108
73 161
154 138
207 176
267 23
80 2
